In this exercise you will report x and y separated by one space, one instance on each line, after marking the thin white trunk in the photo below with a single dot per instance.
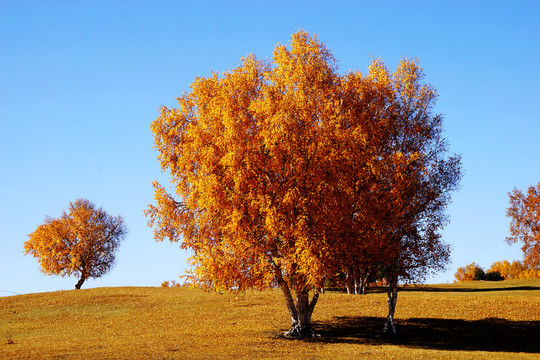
364 281
286 294
312 304
389 325
290 303
348 282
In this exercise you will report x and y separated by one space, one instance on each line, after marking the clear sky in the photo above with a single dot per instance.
81 81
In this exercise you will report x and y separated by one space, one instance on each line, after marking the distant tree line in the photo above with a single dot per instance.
500 270
172 284
524 213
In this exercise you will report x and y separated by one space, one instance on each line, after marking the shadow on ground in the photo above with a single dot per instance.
443 334
431 288
464 289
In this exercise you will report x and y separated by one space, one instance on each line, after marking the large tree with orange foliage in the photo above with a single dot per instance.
524 211
286 172
81 242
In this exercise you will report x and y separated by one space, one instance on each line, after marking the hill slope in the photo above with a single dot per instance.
474 320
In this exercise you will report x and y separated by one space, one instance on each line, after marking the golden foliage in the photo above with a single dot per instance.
467 273
515 270
81 243
524 211
286 169
509 271
171 283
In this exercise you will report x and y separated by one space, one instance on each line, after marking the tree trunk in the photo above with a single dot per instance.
363 287
79 283
389 325
312 304
304 315
364 281
290 303
300 312
348 282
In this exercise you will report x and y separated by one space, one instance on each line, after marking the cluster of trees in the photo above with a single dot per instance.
287 174
500 270
516 270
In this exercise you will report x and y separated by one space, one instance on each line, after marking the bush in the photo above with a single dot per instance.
479 274
494 276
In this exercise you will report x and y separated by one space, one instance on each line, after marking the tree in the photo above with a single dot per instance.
249 154
502 267
280 172
399 207
468 273
82 242
525 225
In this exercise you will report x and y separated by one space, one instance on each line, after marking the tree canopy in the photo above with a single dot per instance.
286 172
524 211
81 242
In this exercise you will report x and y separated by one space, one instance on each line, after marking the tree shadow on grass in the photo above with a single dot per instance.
420 288
491 334
467 289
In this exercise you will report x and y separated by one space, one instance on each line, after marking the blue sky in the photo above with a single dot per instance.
81 81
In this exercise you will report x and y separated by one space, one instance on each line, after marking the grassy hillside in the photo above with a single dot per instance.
473 320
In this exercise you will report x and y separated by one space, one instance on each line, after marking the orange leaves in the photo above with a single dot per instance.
284 169
524 211
467 273
81 242
515 270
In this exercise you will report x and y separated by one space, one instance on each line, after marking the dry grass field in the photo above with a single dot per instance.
477 320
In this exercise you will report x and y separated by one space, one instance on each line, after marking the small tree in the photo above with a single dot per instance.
467 273
502 267
81 243
524 211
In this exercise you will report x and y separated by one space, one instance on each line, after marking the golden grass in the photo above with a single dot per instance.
471 320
